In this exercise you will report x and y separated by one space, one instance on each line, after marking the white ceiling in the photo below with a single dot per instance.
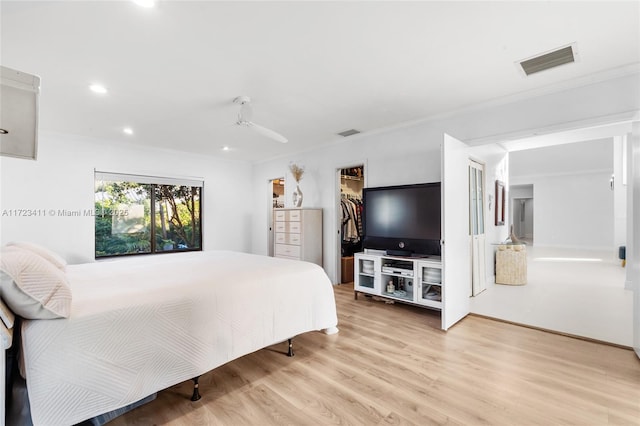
312 69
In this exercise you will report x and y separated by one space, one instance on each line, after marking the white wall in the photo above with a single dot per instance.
410 154
62 179
574 211
573 202
520 191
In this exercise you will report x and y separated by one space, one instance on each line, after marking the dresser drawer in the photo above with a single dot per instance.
294 227
293 239
285 238
287 215
288 227
288 250
294 215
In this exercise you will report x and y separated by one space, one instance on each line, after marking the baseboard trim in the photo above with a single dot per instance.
560 333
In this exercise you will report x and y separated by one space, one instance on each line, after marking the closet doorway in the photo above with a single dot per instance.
276 192
351 182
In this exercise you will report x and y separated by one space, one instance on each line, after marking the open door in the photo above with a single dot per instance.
456 253
633 228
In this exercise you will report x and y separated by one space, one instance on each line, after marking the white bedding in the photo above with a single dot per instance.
139 325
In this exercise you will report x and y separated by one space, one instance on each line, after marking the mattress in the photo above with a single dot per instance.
139 325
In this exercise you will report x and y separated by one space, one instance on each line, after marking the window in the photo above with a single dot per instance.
144 214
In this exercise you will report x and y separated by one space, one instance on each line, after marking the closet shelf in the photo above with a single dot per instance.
347 177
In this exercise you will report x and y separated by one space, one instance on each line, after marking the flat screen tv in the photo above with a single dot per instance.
402 220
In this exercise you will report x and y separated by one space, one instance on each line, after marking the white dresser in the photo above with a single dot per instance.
298 234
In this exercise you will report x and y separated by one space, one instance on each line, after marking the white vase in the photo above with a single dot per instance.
297 197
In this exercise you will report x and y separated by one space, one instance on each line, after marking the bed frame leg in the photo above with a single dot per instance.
196 393
290 352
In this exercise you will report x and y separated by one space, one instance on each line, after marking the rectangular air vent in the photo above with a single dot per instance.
349 132
549 60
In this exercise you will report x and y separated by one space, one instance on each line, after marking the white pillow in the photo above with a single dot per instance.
31 286
52 257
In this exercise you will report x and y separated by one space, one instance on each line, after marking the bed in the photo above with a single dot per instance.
142 324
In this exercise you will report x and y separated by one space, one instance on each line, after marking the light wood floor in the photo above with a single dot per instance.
390 364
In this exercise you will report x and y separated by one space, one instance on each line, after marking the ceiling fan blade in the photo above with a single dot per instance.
267 132
244 119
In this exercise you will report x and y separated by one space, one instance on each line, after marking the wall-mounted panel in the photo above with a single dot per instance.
19 93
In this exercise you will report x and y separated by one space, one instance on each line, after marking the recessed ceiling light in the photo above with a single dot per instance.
145 3
128 130
98 88
226 148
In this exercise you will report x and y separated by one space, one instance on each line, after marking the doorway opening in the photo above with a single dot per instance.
522 212
276 194
569 226
349 214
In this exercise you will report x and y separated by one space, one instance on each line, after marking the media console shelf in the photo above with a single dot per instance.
415 280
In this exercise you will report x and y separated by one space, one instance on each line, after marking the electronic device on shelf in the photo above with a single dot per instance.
391 266
400 271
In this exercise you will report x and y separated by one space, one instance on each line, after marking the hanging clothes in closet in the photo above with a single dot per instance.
351 210
351 218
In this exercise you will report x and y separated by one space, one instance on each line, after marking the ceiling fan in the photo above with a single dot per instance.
244 119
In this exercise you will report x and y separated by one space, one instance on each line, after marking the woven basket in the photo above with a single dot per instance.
511 264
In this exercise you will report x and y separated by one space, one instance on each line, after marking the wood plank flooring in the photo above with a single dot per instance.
391 364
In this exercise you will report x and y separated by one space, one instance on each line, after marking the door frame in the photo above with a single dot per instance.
270 215
337 235
633 227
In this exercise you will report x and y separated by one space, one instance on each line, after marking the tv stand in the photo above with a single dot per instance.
413 280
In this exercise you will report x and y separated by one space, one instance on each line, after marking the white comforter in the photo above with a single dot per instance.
139 325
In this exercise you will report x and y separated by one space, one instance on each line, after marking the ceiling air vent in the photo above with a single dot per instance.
553 59
349 132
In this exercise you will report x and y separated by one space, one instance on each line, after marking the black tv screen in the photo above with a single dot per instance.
403 220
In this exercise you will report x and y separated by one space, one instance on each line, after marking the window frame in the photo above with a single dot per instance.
152 182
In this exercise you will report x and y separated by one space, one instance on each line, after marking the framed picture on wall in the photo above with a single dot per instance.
500 202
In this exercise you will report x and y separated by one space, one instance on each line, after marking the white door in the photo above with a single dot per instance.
633 228
456 254
476 228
